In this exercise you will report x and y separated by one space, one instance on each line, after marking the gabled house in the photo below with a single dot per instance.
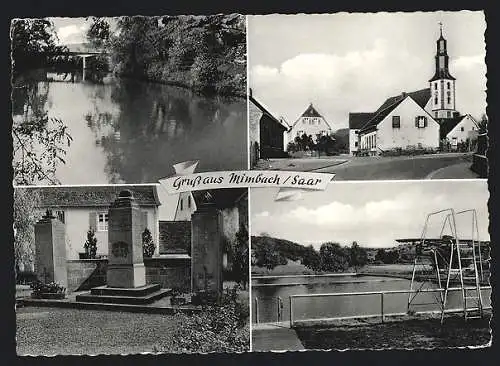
311 123
84 207
266 132
459 130
401 122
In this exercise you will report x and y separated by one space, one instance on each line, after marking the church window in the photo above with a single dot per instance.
449 99
462 129
396 121
182 204
189 201
436 100
435 86
449 85
355 144
448 114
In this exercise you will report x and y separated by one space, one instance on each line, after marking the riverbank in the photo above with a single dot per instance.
421 331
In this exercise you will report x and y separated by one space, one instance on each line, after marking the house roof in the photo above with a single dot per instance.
359 119
421 97
311 112
265 111
94 196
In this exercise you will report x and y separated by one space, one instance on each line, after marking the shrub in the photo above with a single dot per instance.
219 328
148 246
39 288
91 244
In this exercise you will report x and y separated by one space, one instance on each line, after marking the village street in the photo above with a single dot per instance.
436 166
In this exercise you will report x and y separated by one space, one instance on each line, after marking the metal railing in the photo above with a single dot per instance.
382 294
279 303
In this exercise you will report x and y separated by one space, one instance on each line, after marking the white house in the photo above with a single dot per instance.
459 130
311 123
84 207
401 123
356 122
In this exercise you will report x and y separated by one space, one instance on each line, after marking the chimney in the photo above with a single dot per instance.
403 94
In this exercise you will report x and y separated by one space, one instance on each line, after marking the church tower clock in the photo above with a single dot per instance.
442 83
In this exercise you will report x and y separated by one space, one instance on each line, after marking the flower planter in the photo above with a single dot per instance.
49 295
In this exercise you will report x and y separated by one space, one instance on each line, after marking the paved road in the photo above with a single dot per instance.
439 166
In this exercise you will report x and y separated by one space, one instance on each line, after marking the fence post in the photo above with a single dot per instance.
291 312
382 306
256 310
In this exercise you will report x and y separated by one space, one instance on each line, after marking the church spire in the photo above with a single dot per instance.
441 58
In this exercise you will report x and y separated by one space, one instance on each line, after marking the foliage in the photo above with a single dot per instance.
325 143
148 245
99 32
218 328
483 124
25 217
39 142
312 259
359 257
334 258
39 287
267 254
240 257
33 41
91 244
387 257
207 53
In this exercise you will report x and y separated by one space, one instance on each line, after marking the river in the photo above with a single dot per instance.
267 291
128 131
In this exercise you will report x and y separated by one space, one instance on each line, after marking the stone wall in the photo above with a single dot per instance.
84 274
175 237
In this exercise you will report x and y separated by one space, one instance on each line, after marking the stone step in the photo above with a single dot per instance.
120 299
132 292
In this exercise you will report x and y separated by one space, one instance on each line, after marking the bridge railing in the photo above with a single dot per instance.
382 295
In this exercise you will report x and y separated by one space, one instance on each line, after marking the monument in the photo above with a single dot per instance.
125 262
126 274
206 248
50 244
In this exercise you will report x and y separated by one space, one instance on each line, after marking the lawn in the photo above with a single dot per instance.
50 331
408 333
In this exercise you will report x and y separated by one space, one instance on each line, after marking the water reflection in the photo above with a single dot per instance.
128 131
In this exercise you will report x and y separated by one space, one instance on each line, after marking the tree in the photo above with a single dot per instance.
359 257
91 244
25 217
334 258
483 124
34 41
267 255
148 245
99 32
325 143
240 257
312 259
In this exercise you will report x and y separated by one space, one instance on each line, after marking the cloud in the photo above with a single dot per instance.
262 214
72 33
465 63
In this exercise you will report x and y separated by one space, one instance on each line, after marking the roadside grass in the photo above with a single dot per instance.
424 332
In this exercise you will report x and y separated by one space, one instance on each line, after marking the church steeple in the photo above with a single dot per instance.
442 58
442 83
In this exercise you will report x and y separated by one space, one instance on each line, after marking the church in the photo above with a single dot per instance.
415 120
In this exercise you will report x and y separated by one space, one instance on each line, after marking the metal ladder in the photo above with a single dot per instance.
465 254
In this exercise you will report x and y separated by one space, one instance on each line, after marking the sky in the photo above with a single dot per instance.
352 62
373 213
70 30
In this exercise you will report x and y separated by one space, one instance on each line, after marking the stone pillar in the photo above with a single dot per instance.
50 244
125 263
206 249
